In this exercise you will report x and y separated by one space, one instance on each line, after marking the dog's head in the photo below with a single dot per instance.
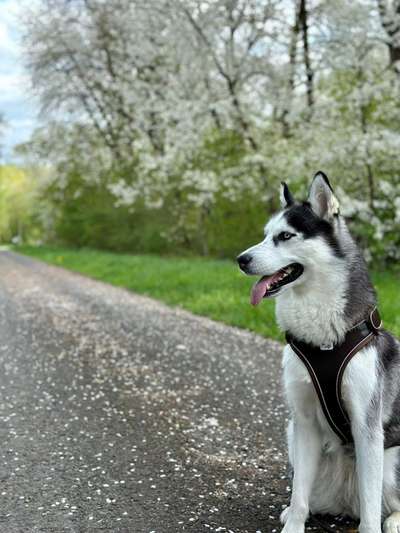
299 241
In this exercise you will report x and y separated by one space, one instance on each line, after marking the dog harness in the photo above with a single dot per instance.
326 366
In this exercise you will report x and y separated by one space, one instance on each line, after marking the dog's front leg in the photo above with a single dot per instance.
365 403
369 449
306 452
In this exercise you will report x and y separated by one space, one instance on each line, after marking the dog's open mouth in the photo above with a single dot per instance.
270 285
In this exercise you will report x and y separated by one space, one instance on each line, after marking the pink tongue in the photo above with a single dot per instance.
259 288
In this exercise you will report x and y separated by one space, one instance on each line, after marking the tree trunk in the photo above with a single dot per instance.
244 126
204 213
303 13
292 71
368 166
390 20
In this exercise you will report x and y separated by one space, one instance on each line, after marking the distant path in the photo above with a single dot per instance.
119 414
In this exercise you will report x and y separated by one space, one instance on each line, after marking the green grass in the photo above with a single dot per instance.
208 287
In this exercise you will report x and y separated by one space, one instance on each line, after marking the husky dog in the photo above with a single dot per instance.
311 265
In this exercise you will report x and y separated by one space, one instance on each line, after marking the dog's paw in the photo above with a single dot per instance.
292 525
372 528
290 528
293 522
284 515
392 524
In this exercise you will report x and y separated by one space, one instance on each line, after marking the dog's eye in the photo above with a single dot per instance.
285 236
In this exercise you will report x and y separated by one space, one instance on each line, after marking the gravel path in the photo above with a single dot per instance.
120 414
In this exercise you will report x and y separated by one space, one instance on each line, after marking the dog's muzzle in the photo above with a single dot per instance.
244 261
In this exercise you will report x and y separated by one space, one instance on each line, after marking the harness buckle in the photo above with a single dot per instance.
375 319
326 347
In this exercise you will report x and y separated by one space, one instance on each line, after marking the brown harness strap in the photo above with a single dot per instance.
327 365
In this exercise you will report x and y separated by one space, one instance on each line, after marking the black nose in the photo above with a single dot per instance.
244 260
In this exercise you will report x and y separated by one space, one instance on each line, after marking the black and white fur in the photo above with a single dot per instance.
333 294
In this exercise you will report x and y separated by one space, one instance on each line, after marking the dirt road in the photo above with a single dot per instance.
120 414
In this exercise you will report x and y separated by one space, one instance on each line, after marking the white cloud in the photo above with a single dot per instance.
13 87
10 15
16 101
8 45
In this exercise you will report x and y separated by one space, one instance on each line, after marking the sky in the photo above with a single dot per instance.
17 104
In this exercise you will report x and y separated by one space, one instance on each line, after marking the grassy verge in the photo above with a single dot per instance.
207 287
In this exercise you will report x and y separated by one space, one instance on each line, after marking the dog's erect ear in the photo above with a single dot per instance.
321 197
286 196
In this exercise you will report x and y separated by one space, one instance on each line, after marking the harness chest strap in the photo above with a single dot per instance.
326 368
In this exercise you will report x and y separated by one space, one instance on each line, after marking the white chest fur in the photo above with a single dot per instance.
316 313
